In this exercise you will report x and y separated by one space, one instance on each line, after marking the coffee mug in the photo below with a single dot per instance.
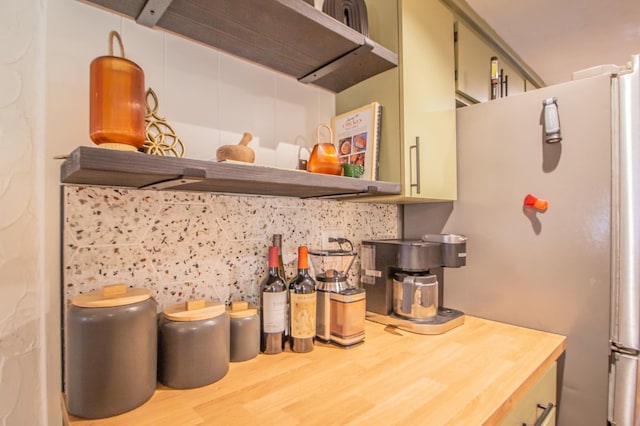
353 170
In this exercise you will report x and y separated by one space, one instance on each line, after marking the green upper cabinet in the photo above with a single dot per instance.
418 140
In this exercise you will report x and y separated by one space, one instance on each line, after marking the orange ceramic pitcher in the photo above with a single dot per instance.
324 156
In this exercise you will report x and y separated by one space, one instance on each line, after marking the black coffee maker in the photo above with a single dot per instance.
403 280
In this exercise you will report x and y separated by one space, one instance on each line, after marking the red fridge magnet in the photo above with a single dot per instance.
536 202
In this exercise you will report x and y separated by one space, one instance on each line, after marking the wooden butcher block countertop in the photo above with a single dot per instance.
471 375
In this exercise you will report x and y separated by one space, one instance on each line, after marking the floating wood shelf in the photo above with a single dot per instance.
103 167
289 36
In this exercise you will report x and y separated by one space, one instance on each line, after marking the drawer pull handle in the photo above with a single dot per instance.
547 410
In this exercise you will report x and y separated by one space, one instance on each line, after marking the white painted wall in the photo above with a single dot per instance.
210 99
22 278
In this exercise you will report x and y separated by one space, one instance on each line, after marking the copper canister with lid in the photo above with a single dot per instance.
110 351
194 344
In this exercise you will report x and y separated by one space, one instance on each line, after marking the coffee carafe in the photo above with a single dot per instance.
415 296
340 305
403 280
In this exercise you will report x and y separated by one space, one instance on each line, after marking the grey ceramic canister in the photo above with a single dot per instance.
193 344
245 331
110 351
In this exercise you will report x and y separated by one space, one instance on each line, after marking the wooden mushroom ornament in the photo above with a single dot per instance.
240 152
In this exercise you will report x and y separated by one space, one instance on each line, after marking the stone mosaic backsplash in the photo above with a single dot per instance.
186 245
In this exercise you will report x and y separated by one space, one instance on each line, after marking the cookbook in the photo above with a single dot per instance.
357 133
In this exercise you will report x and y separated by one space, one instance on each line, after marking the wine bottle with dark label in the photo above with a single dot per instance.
302 302
273 308
277 241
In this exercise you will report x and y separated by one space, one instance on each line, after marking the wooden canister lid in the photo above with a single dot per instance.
193 310
241 310
110 296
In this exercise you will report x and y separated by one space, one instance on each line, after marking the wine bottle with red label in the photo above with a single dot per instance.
302 301
273 308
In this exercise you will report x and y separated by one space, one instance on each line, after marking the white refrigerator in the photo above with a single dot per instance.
574 268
